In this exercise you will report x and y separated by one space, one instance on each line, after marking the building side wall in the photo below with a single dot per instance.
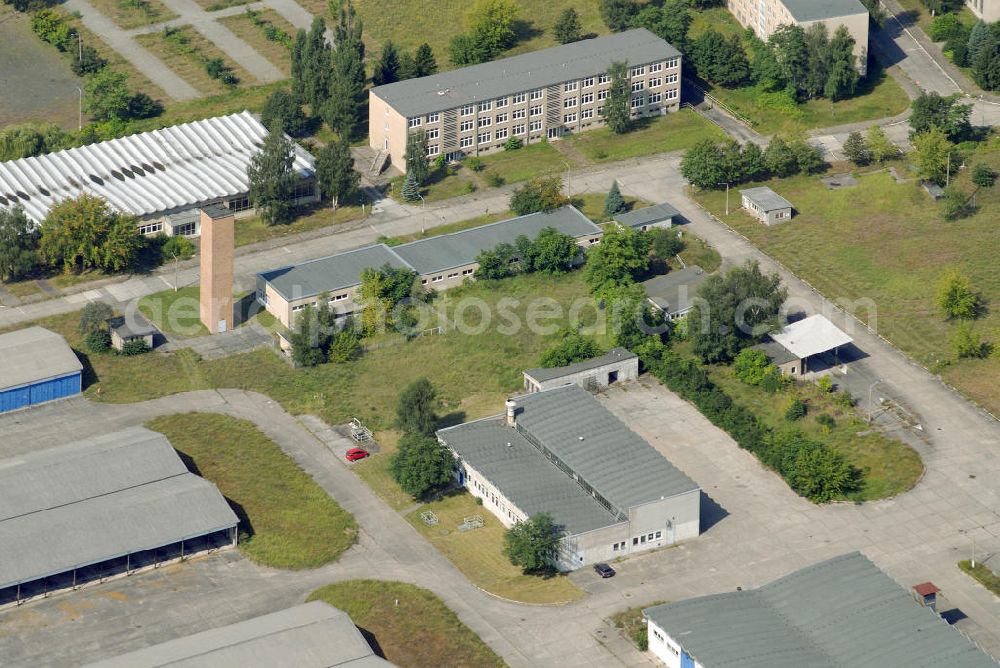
591 379
493 500
560 108
665 648
987 10
857 26
593 547
675 518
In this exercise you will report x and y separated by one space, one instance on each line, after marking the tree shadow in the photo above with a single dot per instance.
451 419
524 31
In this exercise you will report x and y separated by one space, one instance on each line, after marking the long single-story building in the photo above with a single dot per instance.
616 365
36 366
673 293
841 612
99 508
162 176
441 262
311 635
560 451
648 217
791 348
766 205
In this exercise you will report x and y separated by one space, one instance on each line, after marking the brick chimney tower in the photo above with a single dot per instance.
218 241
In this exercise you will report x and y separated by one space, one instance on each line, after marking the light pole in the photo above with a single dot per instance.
566 165
871 388
176 262
727 196
79 124
423 212
79 39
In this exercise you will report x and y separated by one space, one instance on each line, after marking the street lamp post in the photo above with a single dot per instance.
871 388
423 212
79 124
727 196
79 39
567 166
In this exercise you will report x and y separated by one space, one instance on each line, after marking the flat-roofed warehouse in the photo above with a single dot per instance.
36 366
311 635
102 507
161 176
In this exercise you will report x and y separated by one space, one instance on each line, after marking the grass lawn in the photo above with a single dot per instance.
276 52
216 5
253 230
717 18
697 252
190 65
673 132
888 243
229 102
889 467
983 575
175 312
914 11
633 625
129 14
291 521
479 553
412 626
22 288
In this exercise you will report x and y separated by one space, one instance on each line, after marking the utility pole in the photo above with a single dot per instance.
176 262
727 196
871 388
79 125
423 213
947 177
79 39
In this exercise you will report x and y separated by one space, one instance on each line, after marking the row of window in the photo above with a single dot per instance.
538 93
184 230
298 307
438 279
649 537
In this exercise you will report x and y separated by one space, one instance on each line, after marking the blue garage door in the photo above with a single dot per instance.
57 388
11 400
686 660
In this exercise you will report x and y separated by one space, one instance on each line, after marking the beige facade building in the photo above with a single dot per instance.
534 96
764 17
441 262
987 10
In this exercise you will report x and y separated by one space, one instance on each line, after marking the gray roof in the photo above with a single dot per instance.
766 198
673 292
838 613
542 374
97 499
589 57
425 256
777 353
525 476
447 251
33 354
647 215
327 274
131 326
637 473
311 635
818 10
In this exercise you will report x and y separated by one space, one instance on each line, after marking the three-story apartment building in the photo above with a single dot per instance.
541 95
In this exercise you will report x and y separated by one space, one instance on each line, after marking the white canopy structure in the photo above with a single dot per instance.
146 174
811 336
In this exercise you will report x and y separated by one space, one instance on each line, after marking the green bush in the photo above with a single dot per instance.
796 410
470 187
135 347
825 384
179 247
513 144
98 341
51 28
475 163
494 179
843 399
751 366
94 317
774 381
826 421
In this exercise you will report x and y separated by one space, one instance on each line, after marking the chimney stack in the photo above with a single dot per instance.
217 250
511 409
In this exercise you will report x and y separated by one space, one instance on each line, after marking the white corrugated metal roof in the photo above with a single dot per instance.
116 494
311 635
811 336
180 166
32 354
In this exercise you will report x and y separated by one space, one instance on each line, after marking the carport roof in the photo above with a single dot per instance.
812 336
34 354
311 635
840 612
102 498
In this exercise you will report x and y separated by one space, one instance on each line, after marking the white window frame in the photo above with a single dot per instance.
536 94
672 94
414 122
485 106
433 150
587 113
655 82
586 98
467 126
484 138
519 113
485 121
536 111
501 102
466 142
602 94
536 126
433 133
569 86
150 228
673 62
519 98
603 78
501 133
569 103
637 71
569 118
501 118
468 109
638 86
518 129
588 82
433 118
655 67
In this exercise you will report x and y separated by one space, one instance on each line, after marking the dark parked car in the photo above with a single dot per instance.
604 570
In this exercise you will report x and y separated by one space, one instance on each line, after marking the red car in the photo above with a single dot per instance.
354 454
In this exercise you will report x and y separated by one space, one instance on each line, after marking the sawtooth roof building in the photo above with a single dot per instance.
99 508
560 451
834 614
311 635
533 96
162 176
443 261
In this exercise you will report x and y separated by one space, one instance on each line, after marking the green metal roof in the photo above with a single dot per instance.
327 274
529 480
648 215
542 374
819 10
839 613
538 69
447 251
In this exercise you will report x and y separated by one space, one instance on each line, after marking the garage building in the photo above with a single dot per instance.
841 612
311 635
99 508
561 452
616 365
36 366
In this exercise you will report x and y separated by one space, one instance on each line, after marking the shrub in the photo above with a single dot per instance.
90 62
825 384
774 381
843 399
494 179
968 343
513 144
141 105
136 347
51 28
180 247
475 163
94 317
573 347
826 421
796 410
98 341
470 187
751 366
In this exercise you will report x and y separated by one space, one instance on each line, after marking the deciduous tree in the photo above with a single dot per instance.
617 14
620 258
491 25
416 156
842 78
543 193
880 145
84 232
956 298
283 110
617 111
335 173
930 110
421 465
18 244
533 544
106 96
931 155
416 409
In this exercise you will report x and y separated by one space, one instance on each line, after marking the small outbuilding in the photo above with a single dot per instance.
791 348
646 218
133 327
766 205
618 364
36 366
674 293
